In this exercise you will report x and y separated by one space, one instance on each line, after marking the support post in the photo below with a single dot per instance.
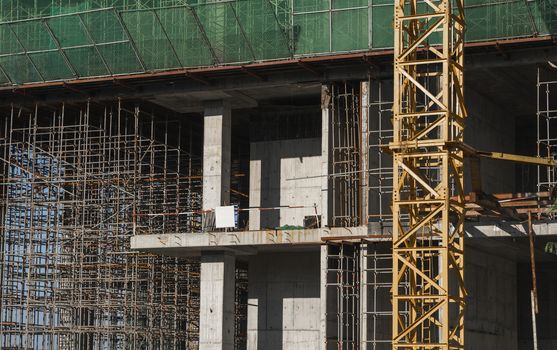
325 157
323 297
216 319
534 327
534 291
216 158
364 149
364 290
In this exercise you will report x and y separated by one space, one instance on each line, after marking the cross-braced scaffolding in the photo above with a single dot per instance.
428 248
77 182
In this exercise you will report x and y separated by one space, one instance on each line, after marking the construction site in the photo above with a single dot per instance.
278 174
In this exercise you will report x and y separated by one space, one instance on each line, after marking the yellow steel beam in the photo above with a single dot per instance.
471 152
428 197
517 158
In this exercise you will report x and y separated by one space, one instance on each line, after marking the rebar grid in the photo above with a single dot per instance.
77 183
546 137
343 286
241 306
380 130
380 169
345 154
376 282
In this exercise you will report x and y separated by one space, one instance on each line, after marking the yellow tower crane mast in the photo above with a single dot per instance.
428 197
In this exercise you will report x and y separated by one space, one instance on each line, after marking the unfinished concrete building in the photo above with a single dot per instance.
129 130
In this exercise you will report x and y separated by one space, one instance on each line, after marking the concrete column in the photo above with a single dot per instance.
325 164
364 252
216 324
216 154
364 160
323 294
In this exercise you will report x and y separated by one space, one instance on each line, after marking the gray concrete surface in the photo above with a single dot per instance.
216 154
284 174
491 305
284 301
216 323
251 241
216 328
490 128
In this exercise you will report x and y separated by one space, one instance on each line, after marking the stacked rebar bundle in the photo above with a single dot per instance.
77 183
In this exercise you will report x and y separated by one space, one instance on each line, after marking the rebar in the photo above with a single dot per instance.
77 183
546 138
345 154
343 287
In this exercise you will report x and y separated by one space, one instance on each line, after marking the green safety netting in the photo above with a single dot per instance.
49 40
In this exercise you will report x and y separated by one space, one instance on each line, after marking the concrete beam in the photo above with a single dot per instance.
247 242
226 81
233 240
508 229
216 322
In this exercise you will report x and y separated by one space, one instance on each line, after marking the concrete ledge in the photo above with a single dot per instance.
240 240
250 242
509 229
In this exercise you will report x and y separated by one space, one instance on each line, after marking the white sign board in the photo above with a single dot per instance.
224 217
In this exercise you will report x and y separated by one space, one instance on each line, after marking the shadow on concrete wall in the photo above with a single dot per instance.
284 298
270 154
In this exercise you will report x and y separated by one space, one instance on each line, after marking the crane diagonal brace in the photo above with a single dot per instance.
428 196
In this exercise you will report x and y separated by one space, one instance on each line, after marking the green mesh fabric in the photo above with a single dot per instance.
49 40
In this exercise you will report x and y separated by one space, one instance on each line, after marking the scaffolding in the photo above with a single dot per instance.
380 130
343 287
346 155
358 286
546 117
376 283
241 306
77 183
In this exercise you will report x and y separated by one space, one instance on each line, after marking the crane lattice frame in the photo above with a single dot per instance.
428 196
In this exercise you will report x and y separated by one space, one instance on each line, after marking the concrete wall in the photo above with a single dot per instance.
491 314
546 275
278 177
491 309
284 301
216 310
490 128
